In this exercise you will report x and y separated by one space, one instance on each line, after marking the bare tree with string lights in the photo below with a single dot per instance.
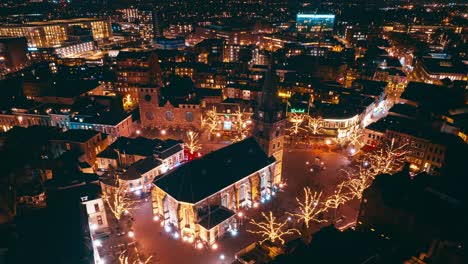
337 198
355 138
118 201
272 229
209 120
296 120
192 143
315 125
358 180
127 257
388 158
241 125
310 208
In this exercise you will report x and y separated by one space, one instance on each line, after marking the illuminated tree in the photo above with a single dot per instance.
355 138
296 120
337 198
241 125
133 258
359 179
127 101
310 208
315 125
192 143
271 229
118 201
386 159
209 120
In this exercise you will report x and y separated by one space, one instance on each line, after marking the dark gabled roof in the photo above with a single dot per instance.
171 147
134 146
108 153
145 147
145 165
200 178
216 216
77 135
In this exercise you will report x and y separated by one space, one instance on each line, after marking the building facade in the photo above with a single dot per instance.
206 212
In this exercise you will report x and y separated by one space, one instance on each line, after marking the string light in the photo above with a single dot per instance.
271 229
118 201
310 207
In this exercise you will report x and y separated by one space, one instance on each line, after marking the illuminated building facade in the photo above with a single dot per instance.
202 213
315 23
12 54
56 32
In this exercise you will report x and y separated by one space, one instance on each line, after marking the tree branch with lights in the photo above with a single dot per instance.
337 198
209 120
127 258
192 143
310 207
296 120
315 125
241 125
359 179
272 229
117 200
388 158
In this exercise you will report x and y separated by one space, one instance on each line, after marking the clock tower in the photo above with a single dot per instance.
270 121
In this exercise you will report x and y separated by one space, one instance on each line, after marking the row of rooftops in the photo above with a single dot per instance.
141 146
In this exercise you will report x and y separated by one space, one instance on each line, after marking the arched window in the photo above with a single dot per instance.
189 116
169 116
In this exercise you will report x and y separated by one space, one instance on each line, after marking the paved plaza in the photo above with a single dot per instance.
302 167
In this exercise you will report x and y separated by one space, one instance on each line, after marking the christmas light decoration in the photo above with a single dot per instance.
388 158
210 120
272 229
310 208
117 200
315 125
355 138
359 179
241 125
296 120
127 257
192 143
337 198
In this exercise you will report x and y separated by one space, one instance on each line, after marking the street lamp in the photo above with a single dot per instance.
131 234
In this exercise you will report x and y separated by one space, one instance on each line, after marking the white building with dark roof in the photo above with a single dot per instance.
199 199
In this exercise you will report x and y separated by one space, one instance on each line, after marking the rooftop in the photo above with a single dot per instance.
203 177
77 135
215 217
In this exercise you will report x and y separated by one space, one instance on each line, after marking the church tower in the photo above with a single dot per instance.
270 121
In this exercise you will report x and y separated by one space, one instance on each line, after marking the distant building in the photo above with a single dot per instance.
12 54
316 23
434 70
55 32
169 43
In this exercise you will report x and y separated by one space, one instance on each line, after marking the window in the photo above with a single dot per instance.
189 116
67 146
242 192
169 116
99 220
96 207
225 200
